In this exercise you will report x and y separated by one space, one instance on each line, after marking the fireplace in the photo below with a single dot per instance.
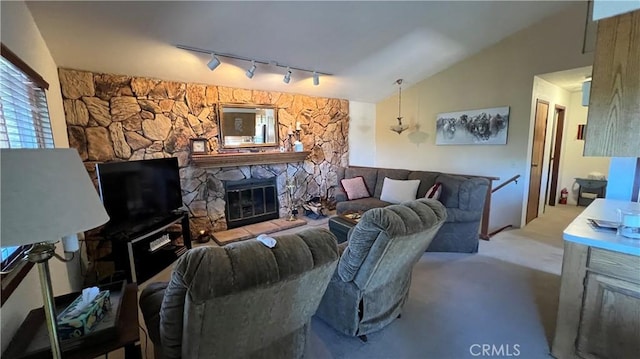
250 201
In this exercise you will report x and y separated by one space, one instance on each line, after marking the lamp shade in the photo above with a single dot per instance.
45 194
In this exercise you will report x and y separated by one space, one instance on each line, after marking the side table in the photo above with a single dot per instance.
341 224
590 189
127 334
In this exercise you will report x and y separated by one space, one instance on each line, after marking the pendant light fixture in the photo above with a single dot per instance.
399 128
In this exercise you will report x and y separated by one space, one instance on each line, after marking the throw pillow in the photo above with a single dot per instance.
398 191
435 191
355 188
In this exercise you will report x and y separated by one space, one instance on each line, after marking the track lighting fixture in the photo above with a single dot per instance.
251 70
287 76
215 62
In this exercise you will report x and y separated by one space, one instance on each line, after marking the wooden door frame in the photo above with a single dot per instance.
533 141
554 160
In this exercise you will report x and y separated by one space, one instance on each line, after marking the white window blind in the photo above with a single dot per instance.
24 122
24 115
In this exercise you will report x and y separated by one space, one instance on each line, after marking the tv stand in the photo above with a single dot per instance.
138 254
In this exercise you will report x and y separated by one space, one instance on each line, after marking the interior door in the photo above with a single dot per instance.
537 155
554 164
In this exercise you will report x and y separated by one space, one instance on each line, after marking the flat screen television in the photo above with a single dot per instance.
136 193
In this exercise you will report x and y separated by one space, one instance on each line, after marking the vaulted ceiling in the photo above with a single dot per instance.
365 45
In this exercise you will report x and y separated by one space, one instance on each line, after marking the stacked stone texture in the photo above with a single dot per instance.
125 118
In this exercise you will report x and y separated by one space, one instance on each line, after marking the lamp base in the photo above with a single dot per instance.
40 254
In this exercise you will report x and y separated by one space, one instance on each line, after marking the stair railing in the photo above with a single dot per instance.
484 229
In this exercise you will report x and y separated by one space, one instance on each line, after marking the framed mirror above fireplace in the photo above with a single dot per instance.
245 125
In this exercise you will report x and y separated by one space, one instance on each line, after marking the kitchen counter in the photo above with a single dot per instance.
581 232
598 313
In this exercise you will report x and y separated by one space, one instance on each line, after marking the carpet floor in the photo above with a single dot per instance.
505 296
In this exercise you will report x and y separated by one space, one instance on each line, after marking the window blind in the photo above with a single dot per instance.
24 121
24 115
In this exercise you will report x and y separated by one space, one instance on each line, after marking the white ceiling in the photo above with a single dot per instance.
366 45
570 80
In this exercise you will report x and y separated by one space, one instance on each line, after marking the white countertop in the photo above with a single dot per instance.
579 231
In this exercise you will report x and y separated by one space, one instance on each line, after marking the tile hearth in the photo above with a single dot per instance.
253 230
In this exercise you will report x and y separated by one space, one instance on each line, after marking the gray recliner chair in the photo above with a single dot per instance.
243 300
372 281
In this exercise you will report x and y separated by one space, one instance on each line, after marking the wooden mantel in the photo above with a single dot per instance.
245 159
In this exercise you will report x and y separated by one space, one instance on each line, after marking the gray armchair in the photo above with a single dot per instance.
372 281
242 300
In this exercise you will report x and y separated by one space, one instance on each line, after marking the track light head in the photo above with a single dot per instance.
287 76
251 71
316 79
213 63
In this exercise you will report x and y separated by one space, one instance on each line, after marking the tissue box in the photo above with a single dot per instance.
72 325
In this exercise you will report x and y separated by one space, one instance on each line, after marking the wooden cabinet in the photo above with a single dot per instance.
599 310
610 320
613 124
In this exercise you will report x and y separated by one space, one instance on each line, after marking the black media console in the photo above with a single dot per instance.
143 251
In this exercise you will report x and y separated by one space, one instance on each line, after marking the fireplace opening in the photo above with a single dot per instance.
250 201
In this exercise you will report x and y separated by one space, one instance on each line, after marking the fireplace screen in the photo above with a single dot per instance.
250 201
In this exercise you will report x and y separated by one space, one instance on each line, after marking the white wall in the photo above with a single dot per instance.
501 75
555 96
362 133
573 164
21 35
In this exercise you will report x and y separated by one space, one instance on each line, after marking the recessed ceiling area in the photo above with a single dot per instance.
365 45
570 80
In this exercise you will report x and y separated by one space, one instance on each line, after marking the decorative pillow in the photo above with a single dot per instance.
435 191
355 188
398 191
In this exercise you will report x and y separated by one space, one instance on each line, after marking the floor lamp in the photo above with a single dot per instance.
46 195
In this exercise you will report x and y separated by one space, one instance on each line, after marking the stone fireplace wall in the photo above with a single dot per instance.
125 118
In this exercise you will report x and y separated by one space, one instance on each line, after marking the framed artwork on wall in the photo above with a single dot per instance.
199 146
473 127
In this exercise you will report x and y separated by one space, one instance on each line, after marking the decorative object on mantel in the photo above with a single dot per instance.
294 138
215 62
399 128
199 146
473 127
36 184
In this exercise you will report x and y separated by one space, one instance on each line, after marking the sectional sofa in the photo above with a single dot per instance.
463 197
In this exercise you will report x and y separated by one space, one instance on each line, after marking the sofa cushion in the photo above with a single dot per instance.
398 191
435 191
370 176
388 173
427 179
355 188
360 205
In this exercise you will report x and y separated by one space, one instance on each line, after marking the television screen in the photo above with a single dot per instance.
138 191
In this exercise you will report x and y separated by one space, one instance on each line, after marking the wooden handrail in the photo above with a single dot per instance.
484 228
512 179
